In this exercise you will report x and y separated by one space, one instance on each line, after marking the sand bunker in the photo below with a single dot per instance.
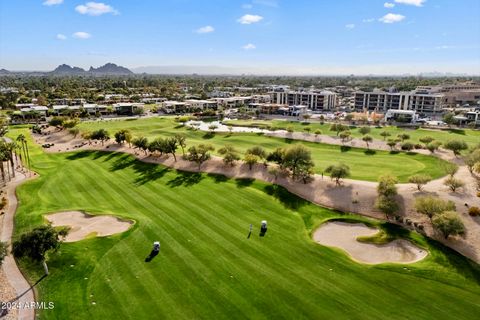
344 236
84 225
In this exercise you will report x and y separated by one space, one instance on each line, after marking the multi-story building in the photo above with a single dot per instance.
313 100
458 94
381 101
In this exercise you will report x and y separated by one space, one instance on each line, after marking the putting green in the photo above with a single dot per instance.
207 268
364 165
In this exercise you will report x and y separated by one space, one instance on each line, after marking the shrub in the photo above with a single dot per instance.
449 223
407 146
474 211
453 183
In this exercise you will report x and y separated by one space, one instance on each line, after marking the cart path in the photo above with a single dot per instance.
24 291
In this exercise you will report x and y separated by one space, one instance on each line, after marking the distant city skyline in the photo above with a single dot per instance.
254 37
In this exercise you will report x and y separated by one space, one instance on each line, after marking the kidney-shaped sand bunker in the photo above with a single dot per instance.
84 225
344 236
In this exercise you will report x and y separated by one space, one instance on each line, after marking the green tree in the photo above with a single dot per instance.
456 146
121 135
276 156
407 146
449 118
101 134
387 191
426 140
471 159
420 180
450 168
181 139
453 183
230 155
364 130
56 122
199 154
431 206
171 146
257 151
385 134
387 185
251 160
36 243
338 171
345 136
367 139
433 146
387 205
141 143
403 137
298 160
338 127
449 223
392 144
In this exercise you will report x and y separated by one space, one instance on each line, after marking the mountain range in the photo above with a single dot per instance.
107 69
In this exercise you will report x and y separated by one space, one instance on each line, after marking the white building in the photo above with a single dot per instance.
313 100
381 101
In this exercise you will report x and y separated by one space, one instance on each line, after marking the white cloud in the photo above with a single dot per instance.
247 6
350 26
368 20
391 18
61 36
389 5
416 3
249 46
95 9
52 2
81 35
250 18
206 29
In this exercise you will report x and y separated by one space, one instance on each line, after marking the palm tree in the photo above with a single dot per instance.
2 168
23 141
11 146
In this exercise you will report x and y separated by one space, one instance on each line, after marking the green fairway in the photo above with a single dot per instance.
364 165
471 137
207 268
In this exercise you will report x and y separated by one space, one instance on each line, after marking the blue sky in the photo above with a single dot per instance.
295 36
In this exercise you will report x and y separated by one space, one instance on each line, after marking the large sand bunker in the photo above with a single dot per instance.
84 225
344 236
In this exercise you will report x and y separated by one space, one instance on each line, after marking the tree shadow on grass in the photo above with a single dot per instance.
208 135
148 172
289 200
218 178
122 162
457 131
345 148
186 179
394 152
370 152
288 140
79 155
242 183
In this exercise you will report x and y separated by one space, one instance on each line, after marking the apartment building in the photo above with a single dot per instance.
313 100
381 101
458 94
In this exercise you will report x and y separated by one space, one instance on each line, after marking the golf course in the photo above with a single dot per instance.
471 137
207 267
364 165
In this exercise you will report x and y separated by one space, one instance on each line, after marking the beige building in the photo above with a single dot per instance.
313 100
